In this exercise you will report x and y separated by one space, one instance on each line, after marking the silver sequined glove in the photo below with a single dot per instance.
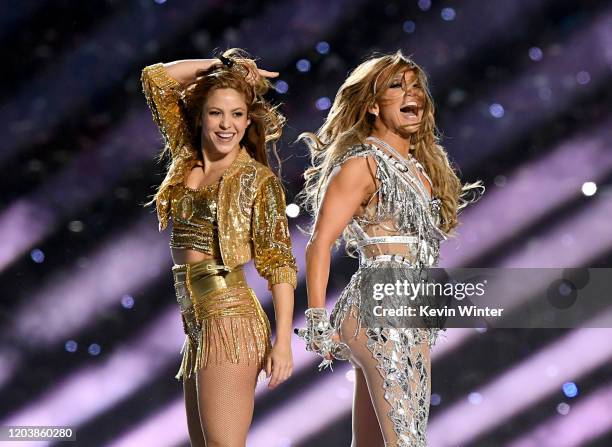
318 337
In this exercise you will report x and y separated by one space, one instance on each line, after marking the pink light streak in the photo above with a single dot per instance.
557 177
589 417
463 421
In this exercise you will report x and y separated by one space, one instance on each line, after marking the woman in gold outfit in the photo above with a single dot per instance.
227 207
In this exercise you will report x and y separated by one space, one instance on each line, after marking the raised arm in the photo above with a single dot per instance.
353 182
162 85
184 71
162 88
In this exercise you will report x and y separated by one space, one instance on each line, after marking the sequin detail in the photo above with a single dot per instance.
250 196
401 209
194 219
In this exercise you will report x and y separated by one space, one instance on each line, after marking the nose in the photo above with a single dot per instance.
224 124
410 91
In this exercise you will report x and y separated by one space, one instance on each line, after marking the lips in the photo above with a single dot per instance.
225 137
411 109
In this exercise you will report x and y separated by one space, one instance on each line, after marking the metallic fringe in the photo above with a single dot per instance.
215 340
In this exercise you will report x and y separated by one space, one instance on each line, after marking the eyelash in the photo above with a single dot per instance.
214 112
399 85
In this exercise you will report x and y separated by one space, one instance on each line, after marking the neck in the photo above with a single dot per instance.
399 143
215 161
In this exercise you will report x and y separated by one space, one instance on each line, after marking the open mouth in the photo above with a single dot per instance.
225 136
410 109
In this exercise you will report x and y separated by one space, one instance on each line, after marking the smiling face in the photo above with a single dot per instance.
224 120
400 109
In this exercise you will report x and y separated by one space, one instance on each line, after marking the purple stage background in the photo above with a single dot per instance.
90 331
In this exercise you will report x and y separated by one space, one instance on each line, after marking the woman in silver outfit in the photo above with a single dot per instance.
379 178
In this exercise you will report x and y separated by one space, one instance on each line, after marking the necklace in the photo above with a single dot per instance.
402 162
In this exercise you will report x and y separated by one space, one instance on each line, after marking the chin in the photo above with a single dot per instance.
409 129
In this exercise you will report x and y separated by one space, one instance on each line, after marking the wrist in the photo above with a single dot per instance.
283 339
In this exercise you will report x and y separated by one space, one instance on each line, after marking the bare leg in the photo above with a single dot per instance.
226 395
366 430
401 413
196 435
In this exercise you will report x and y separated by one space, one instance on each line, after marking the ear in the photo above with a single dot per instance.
248 122
373 109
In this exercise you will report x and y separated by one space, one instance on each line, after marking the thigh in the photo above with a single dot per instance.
196 436
226 397
402 406
366 430
375 414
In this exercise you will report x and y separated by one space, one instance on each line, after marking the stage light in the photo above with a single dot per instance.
409 26
37 255
322 47
475 398
563 408
424 5
292 210
583 77
436 399
303 65
127 301
76 226
71 346
535 54
589 188
323 103
496 110
448 14
570 389
281 87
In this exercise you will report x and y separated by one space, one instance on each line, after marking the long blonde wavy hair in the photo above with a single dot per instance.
262 134
349 122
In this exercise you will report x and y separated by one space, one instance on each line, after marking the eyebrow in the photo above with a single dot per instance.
241 109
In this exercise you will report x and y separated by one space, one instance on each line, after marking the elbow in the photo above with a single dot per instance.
315 248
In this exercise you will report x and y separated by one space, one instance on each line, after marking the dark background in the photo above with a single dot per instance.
89 330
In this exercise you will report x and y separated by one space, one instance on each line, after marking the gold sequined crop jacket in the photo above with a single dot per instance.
251 202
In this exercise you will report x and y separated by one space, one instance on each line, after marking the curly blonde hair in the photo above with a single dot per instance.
262 134
349 122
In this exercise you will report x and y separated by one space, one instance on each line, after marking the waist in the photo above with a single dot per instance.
208 276
400 259
390 239
190 238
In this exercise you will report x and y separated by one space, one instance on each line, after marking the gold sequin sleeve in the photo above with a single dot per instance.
270 232
163 93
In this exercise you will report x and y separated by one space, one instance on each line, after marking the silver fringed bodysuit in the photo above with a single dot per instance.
400 231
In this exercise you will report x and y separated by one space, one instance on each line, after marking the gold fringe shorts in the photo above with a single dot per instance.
222 318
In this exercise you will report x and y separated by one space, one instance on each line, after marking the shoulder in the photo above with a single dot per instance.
357 151
358 161
264 174
257 177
